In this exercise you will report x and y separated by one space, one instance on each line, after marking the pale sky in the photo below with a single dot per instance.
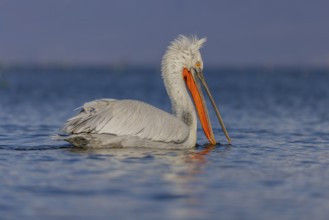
239 32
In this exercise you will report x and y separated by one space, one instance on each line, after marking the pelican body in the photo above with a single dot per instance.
129 123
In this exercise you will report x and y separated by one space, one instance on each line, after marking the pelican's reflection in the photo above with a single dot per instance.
181 172
193 160
181 164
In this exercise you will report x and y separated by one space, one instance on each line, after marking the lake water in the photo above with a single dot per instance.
276 168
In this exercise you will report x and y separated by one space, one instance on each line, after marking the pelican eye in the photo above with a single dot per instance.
198 64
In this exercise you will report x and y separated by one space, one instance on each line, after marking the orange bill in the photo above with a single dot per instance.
200 106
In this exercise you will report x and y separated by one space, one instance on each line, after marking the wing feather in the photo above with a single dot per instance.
127 117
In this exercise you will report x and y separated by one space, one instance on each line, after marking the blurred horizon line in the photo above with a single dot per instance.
124 67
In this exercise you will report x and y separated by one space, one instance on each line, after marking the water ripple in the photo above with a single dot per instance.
276 168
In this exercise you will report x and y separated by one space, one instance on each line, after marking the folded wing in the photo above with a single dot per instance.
127 117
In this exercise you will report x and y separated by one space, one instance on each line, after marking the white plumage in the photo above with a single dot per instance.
109 116
129 123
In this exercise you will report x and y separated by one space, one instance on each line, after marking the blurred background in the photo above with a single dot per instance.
128 32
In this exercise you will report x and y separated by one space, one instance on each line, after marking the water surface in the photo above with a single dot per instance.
277 167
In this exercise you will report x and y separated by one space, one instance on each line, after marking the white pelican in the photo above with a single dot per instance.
129 123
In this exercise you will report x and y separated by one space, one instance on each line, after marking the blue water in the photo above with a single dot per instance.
277 167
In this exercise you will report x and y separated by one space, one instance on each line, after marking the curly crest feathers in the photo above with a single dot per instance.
182 43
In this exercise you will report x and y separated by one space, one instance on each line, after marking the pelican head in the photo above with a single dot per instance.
182 68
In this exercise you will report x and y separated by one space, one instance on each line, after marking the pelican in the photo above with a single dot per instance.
129 123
